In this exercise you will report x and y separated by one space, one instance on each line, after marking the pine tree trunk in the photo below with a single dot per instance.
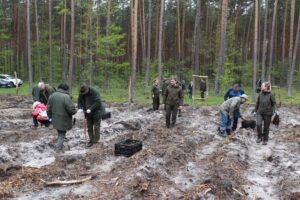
90 46
292 22
29 46
108 23
284 32
38 41
71 63
255 52
160 39
178 41
196 45
50 42
291 76
272 41
64 45
149 44
265 42
134 23
183 30
222 48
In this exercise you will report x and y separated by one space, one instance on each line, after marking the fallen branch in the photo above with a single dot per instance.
58 182
238 192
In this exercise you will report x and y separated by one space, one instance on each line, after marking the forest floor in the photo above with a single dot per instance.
189 161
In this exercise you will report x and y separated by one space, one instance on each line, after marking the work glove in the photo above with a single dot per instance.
88 111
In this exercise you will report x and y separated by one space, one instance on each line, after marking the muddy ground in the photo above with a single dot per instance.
186 162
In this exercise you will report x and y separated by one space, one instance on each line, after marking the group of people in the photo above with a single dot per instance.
56 107
265 109
172 92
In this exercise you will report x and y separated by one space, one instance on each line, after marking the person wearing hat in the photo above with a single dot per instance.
265 108
90 102
226 113
234 91
173 101
60 109
155 94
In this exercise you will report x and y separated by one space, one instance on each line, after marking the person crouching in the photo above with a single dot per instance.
60 109
39 114
226 113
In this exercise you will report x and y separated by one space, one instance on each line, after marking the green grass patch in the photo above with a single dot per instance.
120 94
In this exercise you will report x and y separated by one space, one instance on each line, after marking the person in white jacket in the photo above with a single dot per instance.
226 113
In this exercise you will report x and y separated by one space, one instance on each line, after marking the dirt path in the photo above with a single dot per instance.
187 162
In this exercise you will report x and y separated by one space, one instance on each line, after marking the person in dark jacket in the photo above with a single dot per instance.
190 90
60 109
155 94
35 93
35 97
173 101
166 83
265 108
45 91
235 91
203 89
90 102
182 85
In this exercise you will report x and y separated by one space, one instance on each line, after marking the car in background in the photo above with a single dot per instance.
9 81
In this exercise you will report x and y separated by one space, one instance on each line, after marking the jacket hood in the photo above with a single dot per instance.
63 91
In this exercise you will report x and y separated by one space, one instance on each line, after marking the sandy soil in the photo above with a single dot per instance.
187 162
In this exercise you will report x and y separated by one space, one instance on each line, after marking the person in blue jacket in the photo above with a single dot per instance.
234 91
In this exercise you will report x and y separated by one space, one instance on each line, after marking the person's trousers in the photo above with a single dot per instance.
93 125
35 122
171 110
236 115
156 102
263 133
225 123
202 94
60 140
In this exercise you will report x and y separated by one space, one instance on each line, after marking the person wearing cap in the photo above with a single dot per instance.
226 113
155 94
60 109
45 91
234 91
90 102
173 101
265 108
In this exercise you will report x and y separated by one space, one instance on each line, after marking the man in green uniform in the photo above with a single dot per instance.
60 109
89 100
173 101
45 92
265 108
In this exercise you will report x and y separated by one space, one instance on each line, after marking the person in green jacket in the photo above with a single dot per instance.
155 94
60 109
173 101
45 92
264 109
90 102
